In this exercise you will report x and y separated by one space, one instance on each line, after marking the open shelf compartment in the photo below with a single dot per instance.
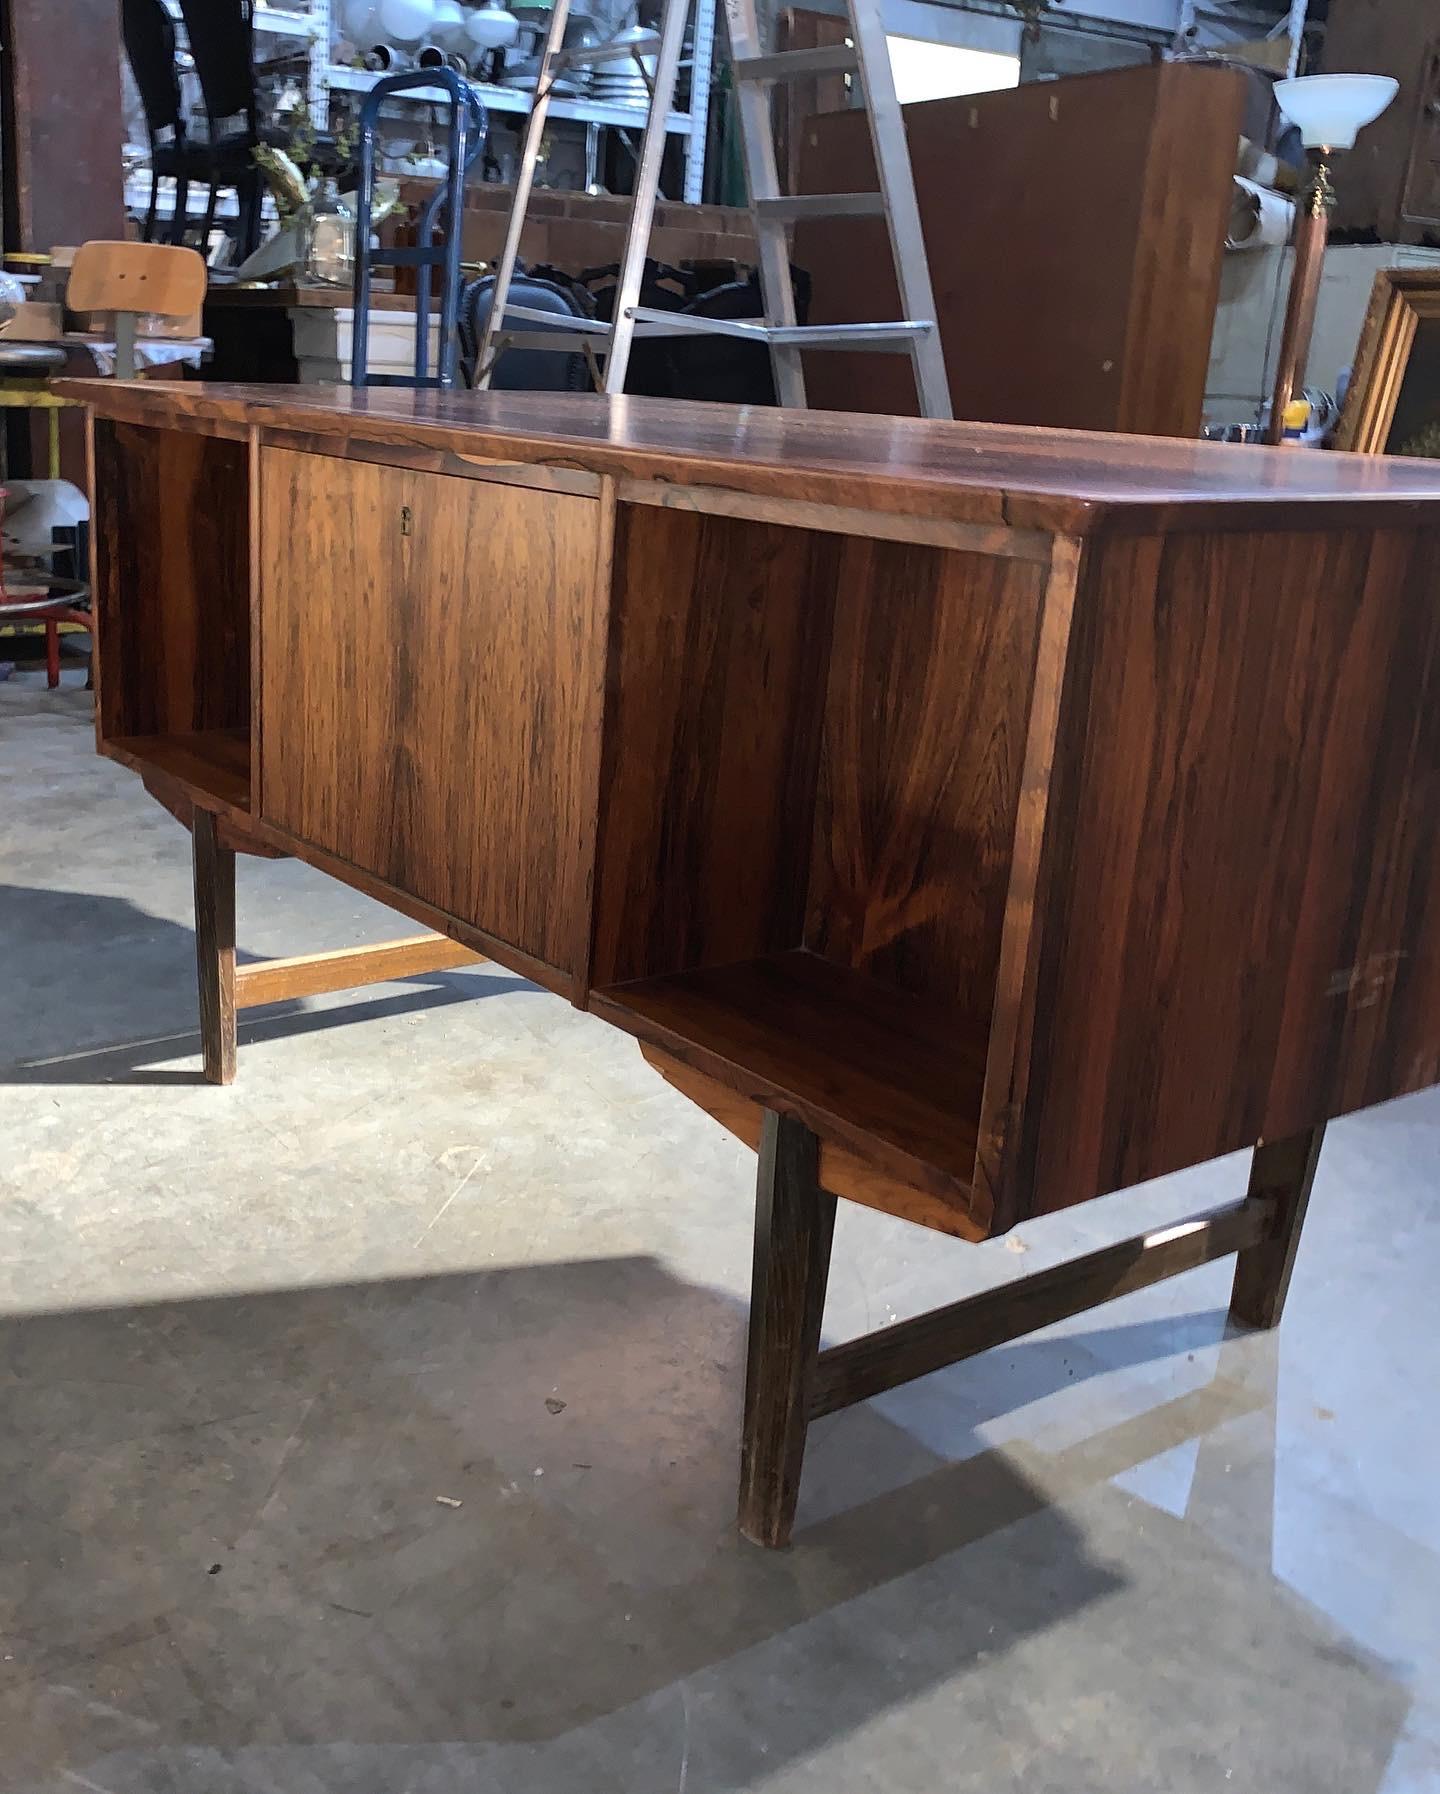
811 772
211 763
172 596
885 1072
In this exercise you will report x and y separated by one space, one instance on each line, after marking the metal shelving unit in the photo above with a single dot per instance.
325 76
1212 24
508 99
691 125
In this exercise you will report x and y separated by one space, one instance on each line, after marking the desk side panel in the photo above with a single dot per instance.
1241 884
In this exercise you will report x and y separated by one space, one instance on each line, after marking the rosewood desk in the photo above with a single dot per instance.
976 820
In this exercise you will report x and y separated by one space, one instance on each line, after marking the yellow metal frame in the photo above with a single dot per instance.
37 395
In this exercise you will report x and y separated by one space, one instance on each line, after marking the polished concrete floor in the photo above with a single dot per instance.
450 1238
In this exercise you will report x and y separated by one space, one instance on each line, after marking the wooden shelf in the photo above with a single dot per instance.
894 1076
213 763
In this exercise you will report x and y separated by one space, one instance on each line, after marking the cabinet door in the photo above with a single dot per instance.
431 673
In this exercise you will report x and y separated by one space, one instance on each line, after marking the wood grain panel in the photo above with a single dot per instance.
924 733
843 1172
432 653
891 1075
718 659
1240 885
64 135
172 581
215 763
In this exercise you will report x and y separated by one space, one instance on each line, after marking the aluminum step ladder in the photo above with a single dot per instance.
867 59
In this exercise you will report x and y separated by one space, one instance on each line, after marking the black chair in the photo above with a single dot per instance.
524 370
150 48
222 42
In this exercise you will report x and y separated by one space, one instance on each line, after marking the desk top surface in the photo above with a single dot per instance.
992 473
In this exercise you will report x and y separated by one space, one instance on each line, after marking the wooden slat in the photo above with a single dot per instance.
860 1368
311 974
1007 1067
840 520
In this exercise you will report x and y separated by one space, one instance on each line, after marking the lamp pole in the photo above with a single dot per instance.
1330 110
1312 227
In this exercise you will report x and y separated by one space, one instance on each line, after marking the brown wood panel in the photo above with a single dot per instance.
843 1172
796 102
1075 231
991 474
406 903
1177 250
64 123
1391 184
432 654
172 593
214 763
891 1075
1239 893
922 745
175 798
720 633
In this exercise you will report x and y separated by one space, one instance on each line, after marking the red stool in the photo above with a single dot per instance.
39 596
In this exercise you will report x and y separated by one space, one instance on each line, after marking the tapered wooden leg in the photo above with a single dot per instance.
1284 1170
215 947
794 1224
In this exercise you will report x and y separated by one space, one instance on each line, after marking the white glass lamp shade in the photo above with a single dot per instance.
406 21
447 26
1331 109
358 16
492 28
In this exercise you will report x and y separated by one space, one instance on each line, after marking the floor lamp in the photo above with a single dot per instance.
1330 110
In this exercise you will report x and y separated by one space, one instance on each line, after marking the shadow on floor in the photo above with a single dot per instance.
139 984
234 1552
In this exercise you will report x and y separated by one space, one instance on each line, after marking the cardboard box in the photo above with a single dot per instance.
33 323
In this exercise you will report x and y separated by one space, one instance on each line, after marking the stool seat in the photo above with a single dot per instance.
30 358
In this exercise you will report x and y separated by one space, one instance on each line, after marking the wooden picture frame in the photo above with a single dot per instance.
1401 300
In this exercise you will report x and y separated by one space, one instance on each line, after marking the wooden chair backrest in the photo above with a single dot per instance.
137 277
